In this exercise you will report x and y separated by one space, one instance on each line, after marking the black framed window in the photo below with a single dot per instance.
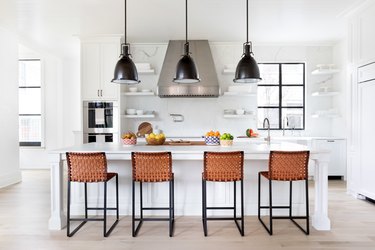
281 95
30 102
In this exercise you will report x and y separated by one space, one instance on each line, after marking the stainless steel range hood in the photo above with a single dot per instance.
201 53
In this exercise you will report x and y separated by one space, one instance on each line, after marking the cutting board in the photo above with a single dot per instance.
185 143
144 128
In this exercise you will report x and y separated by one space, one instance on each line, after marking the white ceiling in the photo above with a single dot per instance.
52 24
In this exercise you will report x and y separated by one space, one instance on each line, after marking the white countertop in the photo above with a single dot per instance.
253 147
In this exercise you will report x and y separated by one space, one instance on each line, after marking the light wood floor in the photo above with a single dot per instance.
25 209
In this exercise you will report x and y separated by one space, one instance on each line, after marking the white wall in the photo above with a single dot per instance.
340 58
204 114
71 90
9 150
61 107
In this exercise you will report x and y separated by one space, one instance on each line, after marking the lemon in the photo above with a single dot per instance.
152 136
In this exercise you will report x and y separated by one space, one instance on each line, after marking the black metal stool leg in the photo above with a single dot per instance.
307 207
259 196
70 233
86 212
204 197
242 211
117 200
270 193
133 208
234 200
141 199
105 210
171 221
68 212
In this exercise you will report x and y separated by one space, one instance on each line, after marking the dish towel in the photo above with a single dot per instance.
99 117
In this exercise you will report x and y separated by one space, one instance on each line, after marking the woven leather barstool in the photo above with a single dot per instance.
152 167
90 168
223 167
285 166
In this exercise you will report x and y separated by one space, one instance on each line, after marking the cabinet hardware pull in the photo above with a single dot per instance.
101 93
98 92
330 140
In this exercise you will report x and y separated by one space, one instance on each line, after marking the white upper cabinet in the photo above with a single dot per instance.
98 60
362 35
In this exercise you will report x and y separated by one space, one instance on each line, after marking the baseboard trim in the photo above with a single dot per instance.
10 178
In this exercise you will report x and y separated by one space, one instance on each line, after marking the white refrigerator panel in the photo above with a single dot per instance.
366 92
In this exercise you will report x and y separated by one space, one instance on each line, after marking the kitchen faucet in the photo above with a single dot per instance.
268 139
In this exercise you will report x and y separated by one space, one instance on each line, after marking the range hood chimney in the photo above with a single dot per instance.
209 84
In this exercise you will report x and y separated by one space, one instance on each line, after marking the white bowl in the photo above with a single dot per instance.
240 111
133 89
131 111
139 112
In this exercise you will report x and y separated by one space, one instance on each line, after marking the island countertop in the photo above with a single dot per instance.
191 152
187 159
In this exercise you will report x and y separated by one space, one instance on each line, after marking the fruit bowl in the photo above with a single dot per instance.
154 141
212 140
226 143
132 141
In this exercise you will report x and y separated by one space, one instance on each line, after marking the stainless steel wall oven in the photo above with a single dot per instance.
100 121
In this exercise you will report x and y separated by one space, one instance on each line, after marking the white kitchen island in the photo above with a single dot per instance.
188 166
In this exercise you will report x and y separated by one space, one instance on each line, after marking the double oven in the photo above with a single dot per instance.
100 121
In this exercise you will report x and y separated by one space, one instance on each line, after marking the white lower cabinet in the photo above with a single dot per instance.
337 147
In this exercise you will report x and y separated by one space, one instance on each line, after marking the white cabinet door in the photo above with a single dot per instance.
98 61
337 147
109 56
366 97
367 34
90 70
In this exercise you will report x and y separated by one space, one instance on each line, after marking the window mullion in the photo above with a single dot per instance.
280 95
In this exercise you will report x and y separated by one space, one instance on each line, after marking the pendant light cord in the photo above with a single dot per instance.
247 21
125 22
186 20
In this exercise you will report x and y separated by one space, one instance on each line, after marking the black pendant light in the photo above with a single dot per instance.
125 70
186 71
247 70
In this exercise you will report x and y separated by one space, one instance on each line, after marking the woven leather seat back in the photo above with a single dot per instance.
223 166
288 165
87 167
152 167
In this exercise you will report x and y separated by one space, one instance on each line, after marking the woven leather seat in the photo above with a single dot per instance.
285 166
90 168
223 167
152 167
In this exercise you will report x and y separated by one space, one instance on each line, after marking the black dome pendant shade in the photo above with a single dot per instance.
247 70
125 70
186 71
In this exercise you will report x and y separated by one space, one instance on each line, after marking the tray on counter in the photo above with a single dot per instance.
183 143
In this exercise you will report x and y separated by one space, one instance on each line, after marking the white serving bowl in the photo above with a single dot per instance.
240 111
131 111
139 112
133 89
